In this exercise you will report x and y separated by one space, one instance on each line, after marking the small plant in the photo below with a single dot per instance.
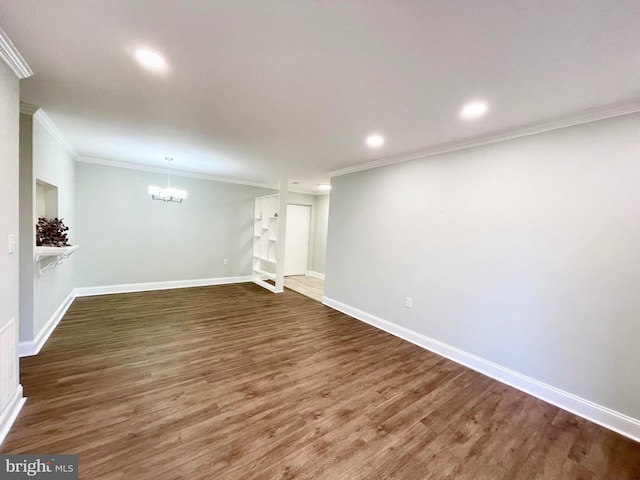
50 233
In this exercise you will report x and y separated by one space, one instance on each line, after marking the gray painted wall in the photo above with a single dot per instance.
54 165
125 237
9 121
42 158
27 229
524 253
320 243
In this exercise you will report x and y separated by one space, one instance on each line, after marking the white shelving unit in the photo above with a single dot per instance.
266 222
269 232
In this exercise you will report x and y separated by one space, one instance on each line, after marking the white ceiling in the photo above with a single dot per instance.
269 88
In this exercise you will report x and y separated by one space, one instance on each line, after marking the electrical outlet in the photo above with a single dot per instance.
225 261
408 302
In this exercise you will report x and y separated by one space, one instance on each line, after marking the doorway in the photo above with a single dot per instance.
297 240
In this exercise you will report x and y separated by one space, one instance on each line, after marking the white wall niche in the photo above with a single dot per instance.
46 200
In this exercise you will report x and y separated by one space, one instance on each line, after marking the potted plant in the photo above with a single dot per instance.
51 233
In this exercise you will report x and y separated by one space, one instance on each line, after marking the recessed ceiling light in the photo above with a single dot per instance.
150 59
375 140
324 186
473 110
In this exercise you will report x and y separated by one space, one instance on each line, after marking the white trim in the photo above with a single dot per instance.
144 287
10 54
9 415
33 347
27 349
585 116
319 275
267 285
179 173
618 422
28 108
48 125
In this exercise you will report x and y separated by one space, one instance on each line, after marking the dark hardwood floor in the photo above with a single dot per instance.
234 382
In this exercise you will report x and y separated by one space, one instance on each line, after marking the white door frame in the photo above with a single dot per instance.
307 242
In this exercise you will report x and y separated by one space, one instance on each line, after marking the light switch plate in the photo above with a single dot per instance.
12 243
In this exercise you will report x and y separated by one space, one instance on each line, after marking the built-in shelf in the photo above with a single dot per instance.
265 234
57 254
264 259
264 273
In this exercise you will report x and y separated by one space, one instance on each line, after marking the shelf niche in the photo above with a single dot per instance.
47 207
46 200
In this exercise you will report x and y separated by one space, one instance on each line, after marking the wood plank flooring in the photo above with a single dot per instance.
234 382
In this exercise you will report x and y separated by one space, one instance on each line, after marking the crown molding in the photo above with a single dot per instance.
179 173
28 109
182 173
48 125
10 54
585 116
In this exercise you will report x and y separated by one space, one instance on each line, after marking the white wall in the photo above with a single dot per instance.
10 390
524 253
320 237
125 237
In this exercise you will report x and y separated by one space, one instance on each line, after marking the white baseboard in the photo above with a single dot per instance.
9 415
144 287
618 422
319 275
33 347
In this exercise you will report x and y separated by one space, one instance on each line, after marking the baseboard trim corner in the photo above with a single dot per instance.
27 349
603 416
9 415
319 275
33 347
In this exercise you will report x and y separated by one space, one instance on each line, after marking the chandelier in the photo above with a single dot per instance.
168 194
